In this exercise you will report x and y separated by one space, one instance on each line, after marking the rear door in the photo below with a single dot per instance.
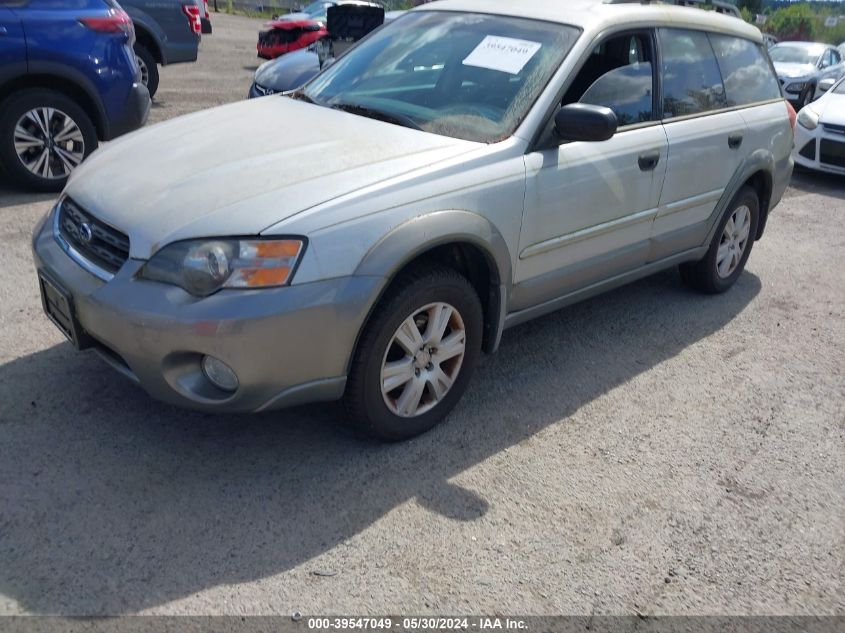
12 44
707 141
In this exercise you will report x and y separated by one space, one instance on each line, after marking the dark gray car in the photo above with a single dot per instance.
166 32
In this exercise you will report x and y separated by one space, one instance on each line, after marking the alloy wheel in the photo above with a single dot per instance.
145 72
734 241
423 360
49 143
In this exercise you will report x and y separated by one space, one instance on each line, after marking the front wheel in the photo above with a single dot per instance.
809 95
730 248
416 355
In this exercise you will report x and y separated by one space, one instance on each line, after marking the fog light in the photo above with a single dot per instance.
219 373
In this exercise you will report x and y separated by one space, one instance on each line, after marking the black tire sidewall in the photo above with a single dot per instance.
745 197
10 112
379 421
152 68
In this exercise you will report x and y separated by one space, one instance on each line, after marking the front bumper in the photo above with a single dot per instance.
288 346
808 152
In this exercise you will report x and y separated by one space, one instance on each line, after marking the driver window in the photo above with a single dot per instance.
619 75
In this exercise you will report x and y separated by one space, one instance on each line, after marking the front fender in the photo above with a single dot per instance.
418 235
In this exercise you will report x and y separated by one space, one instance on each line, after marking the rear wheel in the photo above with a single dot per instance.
148 66
730 248
44 136
416 356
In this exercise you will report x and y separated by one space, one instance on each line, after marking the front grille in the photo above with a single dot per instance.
94 240
832 153
834 129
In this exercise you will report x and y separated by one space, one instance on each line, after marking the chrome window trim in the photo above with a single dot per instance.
74 254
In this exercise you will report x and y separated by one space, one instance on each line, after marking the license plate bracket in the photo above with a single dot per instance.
58 306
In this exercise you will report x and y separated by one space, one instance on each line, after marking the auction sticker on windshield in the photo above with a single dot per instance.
504 54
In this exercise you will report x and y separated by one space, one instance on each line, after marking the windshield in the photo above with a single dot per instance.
795 54
467 76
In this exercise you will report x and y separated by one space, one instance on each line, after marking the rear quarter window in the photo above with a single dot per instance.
747 74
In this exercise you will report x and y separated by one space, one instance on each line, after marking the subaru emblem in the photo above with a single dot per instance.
85 232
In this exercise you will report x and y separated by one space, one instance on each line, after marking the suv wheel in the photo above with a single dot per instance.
731 246
416 356
808 96
148 66
44 135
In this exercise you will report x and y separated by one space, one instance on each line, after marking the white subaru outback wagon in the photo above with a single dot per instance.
470 166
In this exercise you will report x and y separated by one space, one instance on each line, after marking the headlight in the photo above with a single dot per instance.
808 118
798 86
202 267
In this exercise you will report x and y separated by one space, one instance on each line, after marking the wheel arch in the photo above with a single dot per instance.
462 240
145 38
757 171
69 87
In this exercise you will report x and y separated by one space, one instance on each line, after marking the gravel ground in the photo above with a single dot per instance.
651 450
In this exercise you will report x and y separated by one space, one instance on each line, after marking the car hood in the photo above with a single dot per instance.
291 21
792 70
288 71
241 168
831 109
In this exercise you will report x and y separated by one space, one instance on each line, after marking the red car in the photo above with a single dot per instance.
285 36
299 30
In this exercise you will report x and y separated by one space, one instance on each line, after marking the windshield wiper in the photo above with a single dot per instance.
375 113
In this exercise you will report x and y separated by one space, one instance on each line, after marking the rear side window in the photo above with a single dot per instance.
692 83
746 71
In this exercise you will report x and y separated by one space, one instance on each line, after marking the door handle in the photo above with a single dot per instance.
3 30
734 141
649 161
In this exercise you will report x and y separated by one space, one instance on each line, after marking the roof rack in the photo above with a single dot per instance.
719 6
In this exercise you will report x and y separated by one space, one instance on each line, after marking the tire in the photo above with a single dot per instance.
417 299
23 115
149 68
723 265
807 97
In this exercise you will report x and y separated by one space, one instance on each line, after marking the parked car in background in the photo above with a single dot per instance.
285 36
68 78
820 134
293 70
467 168
166 32
802 65
299 30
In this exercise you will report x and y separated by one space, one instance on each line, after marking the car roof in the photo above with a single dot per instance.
597 15
817 45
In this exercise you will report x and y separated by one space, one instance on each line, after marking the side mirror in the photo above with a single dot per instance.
583 122
826 84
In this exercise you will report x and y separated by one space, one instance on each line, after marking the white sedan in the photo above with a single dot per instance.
820 133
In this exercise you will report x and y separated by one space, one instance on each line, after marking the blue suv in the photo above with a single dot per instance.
68 78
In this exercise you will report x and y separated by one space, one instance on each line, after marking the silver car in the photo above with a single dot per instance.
803 66
471 166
